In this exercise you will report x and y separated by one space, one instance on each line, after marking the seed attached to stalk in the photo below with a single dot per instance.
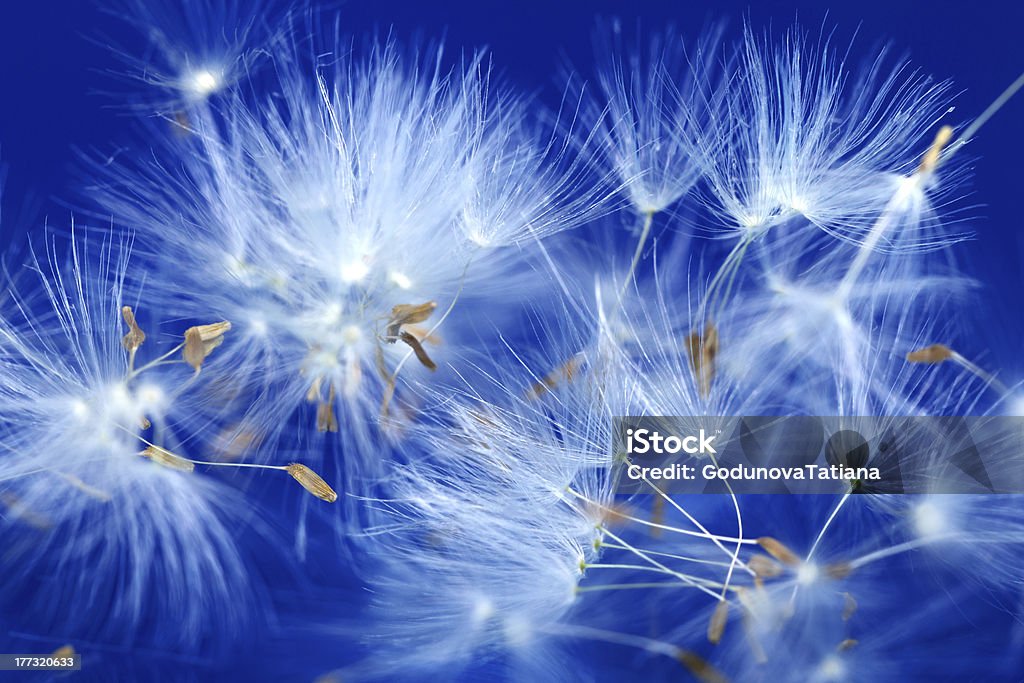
407 314
931 158
326 420
702 349
564 373
764 567
312 482
716 627
839 570
700 667
164 457
779 551
201 340
849 606
133 340
932 355
417 348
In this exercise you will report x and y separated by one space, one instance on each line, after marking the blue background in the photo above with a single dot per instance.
55 80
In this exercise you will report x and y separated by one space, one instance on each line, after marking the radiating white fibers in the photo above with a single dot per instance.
382 270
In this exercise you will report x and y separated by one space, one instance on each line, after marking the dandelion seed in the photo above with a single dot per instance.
702 350
407 314
936 353
934 153
326 420
716 627
701 669
839 570
417 348
164 457
200 342
133 340
779 551
849 606
312 482
764 567
551 381
846 645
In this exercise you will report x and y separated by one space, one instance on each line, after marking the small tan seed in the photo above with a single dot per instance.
201 340
164 457
312 482
934 354
779 551
716 627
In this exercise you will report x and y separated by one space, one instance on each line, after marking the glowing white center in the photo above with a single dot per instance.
205 82
807 574
929 520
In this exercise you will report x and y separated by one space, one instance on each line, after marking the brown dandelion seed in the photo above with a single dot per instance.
846 644
702 349
931 158
164 457
326 420
839 570
312 482
849 606
133 340
424 334
700 667
201 340
407 314
417 348
764 567
716 627
313 395
779 551
564 373
932 355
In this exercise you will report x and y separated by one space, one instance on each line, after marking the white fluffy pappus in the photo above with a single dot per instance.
338 223
802 135
193 50
100 515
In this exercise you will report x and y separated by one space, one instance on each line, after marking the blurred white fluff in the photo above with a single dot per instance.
800 135
377 182
484 542
645 109
194 50
100 529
